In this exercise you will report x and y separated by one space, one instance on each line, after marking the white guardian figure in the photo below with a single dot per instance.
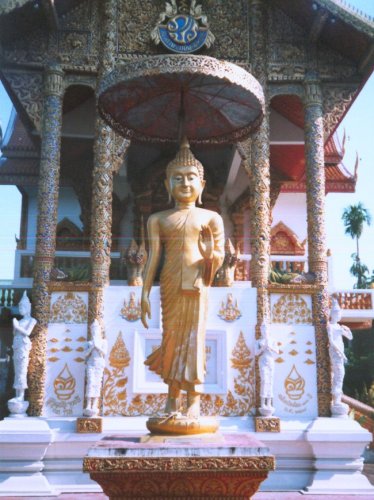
266 349
21 351
95 363
336 332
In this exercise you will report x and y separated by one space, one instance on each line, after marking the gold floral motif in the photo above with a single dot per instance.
291 308
230 311
81 339
64 384
105 464
66 348
294 384
131 310
279 360
309 351
80 349
89 425
237 402
54 340
309 362
54 349
53 359
79 360
267 424
69 308
294 352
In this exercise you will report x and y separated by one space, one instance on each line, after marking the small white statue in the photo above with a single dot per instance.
21 351
265 350
336 332
95 364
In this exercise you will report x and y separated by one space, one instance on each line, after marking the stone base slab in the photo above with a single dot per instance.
130 467
309 453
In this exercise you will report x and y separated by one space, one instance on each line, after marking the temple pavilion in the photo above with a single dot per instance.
89 184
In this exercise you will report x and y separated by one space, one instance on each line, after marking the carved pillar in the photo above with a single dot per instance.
46 230
260 169
315 187
102 177
260 176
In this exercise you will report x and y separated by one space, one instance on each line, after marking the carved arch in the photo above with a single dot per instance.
283 241
68 235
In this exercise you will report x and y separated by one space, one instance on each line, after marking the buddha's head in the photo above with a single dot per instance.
185 176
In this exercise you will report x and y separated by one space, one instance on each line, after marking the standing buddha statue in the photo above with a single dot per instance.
193 241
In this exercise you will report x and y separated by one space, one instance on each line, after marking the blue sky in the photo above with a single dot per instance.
359 132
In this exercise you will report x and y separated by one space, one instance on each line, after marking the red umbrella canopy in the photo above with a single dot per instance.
143 100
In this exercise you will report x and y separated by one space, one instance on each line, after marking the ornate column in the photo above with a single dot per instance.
46 230
258 151
315 189
102 178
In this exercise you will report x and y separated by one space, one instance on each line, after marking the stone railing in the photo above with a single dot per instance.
10 295
355 299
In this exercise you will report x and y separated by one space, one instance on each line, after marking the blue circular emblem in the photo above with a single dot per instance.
182 34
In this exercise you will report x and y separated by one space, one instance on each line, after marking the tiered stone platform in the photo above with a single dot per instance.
161 467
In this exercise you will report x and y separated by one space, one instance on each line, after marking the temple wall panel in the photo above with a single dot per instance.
290 208
66 343
130 389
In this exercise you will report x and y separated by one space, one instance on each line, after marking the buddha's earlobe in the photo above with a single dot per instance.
168 190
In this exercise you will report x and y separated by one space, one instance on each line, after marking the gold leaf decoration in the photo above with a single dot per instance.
119 356
131 310
309 343
54 349
64 384
68 339
309 351
293 352
81 339
69 308
279 360
293 342
80 349
309 362
79 360
291 308
53 359
115 395
294 384
230 311
66 348
54 340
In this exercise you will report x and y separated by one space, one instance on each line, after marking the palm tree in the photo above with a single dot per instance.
359 271
354 217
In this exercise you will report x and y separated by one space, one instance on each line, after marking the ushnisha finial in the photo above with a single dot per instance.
185 158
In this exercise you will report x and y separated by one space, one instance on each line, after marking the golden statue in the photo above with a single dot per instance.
193 242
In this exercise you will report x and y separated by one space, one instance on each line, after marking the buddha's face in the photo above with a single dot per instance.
184 184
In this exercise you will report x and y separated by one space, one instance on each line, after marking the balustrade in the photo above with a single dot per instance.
356 300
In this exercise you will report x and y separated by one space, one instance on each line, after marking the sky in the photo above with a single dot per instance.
358 126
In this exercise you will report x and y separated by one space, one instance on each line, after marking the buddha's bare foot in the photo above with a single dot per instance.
193 405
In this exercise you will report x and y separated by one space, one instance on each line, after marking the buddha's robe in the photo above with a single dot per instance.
184 282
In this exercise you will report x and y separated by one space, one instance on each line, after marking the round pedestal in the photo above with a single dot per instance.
17 408
181 425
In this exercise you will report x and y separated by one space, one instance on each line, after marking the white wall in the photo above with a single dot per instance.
290 208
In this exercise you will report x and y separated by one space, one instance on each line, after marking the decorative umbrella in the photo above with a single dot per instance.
144 100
